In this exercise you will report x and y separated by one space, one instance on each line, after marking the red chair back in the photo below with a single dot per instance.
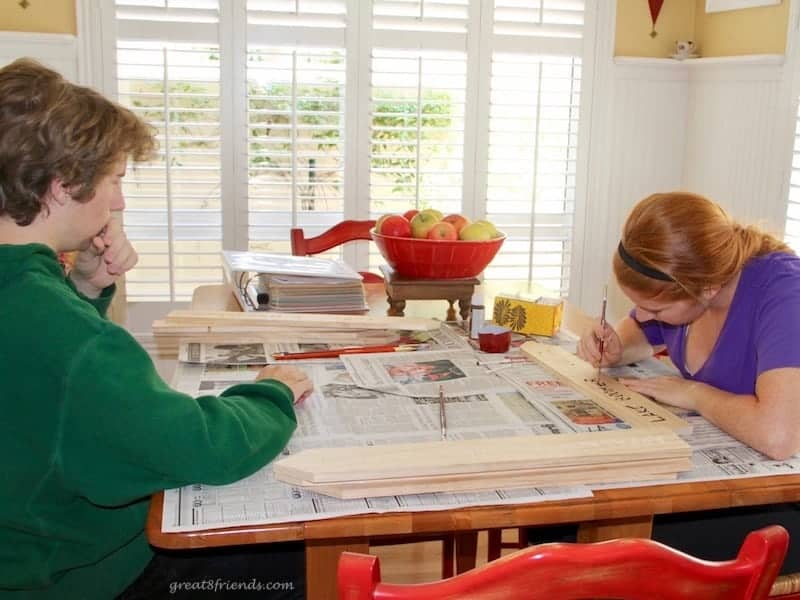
346 231
626 569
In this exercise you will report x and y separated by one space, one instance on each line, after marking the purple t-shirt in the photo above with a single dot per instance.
761 331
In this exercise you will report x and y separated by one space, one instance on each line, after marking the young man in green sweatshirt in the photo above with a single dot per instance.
89 430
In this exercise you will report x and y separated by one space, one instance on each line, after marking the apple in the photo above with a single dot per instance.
475 231
442 231
458 221
422 223
410 214
380 220
395 225
490 226
434 212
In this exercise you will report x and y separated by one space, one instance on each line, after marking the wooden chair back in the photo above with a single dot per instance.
625 569
341 233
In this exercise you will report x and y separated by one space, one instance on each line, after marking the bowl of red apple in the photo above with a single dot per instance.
428 245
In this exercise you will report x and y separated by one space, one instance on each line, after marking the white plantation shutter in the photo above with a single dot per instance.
418 73
296 89
281 113
547 20
533 137
417 130
792 234
168 71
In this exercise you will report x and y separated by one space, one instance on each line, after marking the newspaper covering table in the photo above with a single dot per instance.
393 398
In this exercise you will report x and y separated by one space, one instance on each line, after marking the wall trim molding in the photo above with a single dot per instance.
57 50
671 63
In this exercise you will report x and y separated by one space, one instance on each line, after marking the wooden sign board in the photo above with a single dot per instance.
621 401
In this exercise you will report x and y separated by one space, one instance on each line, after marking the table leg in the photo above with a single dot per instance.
322 559
466 550
599 531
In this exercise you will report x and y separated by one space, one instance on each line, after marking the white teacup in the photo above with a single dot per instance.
685 48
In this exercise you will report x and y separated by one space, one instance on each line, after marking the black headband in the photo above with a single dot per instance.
639 267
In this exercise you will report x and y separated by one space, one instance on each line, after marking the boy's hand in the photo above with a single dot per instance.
296 379
109 256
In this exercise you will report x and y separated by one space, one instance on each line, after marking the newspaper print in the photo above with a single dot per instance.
364 400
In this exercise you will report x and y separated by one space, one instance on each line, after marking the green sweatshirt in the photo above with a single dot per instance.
88 430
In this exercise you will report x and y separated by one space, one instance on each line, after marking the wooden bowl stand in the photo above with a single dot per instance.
400 288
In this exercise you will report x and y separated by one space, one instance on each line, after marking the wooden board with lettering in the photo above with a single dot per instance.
631 406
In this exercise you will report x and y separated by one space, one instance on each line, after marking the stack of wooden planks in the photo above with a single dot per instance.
273 327
639 454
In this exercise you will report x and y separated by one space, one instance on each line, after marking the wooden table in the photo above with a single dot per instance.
608 514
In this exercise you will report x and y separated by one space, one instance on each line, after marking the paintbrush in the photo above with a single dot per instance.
603 327
335 352
442 414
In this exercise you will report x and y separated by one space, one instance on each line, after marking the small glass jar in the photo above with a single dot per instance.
477 316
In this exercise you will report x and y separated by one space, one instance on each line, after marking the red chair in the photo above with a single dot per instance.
626 569
341 233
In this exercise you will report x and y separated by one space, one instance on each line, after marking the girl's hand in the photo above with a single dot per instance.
589 346
675 391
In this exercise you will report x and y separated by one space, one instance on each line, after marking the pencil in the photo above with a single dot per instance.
335 352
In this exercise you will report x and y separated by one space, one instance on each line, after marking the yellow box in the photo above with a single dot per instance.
531 316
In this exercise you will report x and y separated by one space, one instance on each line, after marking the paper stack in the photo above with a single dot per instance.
298 293
300 284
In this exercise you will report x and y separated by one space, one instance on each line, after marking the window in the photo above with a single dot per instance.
281 113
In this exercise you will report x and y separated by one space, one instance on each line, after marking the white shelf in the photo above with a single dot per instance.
746 60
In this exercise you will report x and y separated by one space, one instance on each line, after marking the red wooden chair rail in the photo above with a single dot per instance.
346 231
628 569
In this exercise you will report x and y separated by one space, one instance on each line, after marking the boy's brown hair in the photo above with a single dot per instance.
53 129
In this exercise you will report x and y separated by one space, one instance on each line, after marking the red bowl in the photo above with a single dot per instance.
437 259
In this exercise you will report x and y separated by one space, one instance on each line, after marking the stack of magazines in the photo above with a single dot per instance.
300 284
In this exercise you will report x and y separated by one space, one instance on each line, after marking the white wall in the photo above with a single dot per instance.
720 127
57 51
635 150
740 127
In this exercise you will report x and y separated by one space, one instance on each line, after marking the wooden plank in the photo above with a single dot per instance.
266 319
606 391
248 333
579 475
643 454
325 465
